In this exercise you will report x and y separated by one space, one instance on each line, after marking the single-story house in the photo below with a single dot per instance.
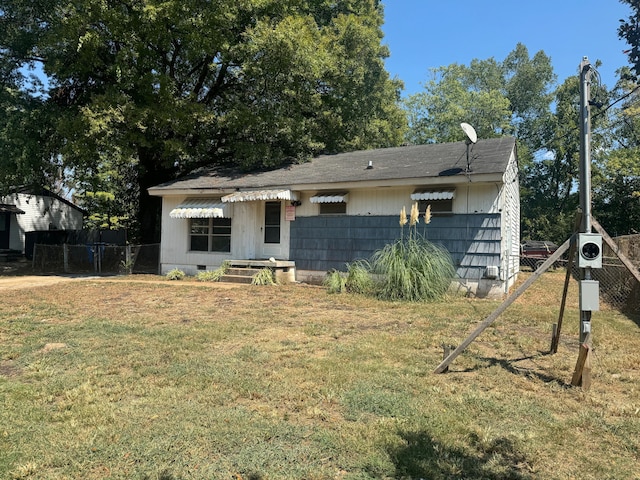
335 209
29 210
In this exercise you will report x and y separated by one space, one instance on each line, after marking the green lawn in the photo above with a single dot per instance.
184 380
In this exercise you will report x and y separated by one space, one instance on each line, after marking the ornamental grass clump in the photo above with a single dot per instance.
175 274
412 268
358 278
335 281
213 275
263 277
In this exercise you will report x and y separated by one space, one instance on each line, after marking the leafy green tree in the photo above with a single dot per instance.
159 88
26 130
455 94
629 30
548 185
616 183
512 97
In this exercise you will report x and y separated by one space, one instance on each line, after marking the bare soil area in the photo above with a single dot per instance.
20 274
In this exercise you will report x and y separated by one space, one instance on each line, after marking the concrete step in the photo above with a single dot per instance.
246 279
243 272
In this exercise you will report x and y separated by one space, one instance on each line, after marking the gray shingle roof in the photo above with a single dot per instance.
489 156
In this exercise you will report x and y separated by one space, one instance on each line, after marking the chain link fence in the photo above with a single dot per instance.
618 286
97 258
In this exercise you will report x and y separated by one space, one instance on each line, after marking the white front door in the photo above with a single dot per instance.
272 229
245 225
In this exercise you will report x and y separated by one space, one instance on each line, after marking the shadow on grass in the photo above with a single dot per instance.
166 475
423 457
511 366
634 316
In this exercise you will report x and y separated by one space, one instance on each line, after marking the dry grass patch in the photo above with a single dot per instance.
190 380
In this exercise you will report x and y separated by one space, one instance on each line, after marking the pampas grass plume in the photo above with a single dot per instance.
414 214
403 217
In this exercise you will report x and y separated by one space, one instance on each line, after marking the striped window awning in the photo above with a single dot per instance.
201 208
8 208
258 195
330 197
432 194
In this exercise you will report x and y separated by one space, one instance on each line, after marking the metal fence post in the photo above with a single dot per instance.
65 258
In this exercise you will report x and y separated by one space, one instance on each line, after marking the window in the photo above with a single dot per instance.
438 207
210 235
333 208
272 211
331 203
441 200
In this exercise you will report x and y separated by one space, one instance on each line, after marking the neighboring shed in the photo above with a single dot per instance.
339 208
34 210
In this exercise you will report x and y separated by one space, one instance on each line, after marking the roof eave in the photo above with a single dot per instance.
346 185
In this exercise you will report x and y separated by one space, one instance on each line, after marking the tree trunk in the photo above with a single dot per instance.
151 172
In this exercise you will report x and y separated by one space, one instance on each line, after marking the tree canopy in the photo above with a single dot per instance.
616 180
140 91
629 30
509 97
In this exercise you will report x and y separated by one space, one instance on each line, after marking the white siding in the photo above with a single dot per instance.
41 213
246 238
511 224
174 248
469 198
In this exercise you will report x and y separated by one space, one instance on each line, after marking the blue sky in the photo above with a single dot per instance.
424 34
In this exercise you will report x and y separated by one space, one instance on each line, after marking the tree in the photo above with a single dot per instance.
25 131
141 91
455 94
629 30
512 97
616 185
549 196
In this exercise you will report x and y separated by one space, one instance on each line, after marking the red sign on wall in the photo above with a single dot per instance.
290 213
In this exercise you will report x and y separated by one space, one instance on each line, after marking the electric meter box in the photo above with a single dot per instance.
589 250
589 295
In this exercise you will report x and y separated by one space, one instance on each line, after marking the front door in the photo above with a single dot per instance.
272 230
5 223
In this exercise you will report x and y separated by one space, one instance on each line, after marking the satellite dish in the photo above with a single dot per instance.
470 132
472 137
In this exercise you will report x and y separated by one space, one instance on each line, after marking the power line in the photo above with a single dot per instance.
574 130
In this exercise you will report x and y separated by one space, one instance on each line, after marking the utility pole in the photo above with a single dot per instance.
585 144
589 244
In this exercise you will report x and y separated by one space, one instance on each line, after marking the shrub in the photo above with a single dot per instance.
335 282
412 269
358 278
213 275
175 274
126 266
263 277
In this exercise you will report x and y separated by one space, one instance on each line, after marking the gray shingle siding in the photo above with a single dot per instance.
325 242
